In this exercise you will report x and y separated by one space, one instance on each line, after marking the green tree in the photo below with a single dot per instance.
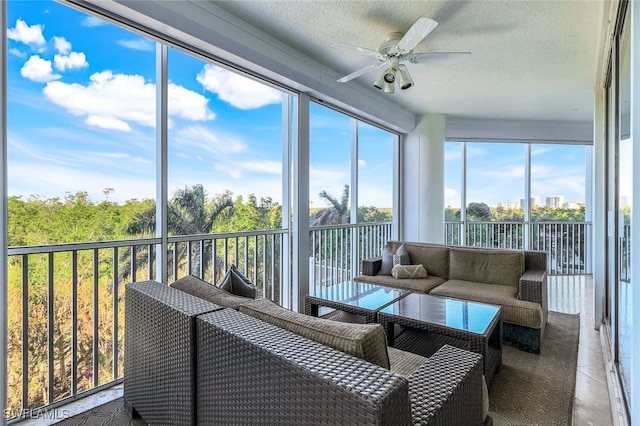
337 213
479 212
188 213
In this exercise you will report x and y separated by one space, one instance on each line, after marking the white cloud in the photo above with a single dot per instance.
450 192
73 60
62 45
107 123
91 22
26 34
237 90
262 166
39 70
139 44
206 141
189 105
18 53
115 101
362 163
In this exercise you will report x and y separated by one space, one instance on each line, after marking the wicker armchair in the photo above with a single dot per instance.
226 367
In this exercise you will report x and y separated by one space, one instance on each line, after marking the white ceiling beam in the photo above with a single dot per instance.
472 129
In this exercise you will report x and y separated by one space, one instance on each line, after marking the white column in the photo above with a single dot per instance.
423 181
162 161
300 231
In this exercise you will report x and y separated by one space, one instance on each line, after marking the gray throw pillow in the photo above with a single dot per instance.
387 258
207 291
404 255
236 283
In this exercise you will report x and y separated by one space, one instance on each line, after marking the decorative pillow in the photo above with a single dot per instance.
236 283
409 271
389 259
404 255
365 341
207 291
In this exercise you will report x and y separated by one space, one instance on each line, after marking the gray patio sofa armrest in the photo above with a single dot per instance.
159 352
533 288
371 266
283 378
446 389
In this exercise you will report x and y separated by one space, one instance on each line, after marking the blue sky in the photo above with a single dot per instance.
81 117
495 172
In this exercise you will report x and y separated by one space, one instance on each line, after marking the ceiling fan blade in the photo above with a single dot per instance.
360 72
441 57
416 33
364 50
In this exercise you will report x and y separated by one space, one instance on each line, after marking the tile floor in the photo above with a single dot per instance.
570 294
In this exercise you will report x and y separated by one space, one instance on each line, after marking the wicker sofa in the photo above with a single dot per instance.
513 279
189 361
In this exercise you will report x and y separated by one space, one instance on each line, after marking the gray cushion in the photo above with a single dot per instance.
207 291
365 341
434 257
236 283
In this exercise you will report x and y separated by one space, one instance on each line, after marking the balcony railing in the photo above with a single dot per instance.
66 305
333 249
566 243
67 301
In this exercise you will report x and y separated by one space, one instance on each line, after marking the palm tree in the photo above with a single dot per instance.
188 213
337 214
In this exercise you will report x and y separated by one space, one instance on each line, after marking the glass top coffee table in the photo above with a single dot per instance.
359 299
422 324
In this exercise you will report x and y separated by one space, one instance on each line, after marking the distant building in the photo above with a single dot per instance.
533 201
554 201
508 205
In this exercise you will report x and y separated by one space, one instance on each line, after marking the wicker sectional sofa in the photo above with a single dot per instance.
513 279
189 361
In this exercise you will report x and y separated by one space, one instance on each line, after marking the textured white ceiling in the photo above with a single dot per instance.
533 60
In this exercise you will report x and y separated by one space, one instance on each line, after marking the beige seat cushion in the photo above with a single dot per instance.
514 311
207 291
404 363
421 285
365 341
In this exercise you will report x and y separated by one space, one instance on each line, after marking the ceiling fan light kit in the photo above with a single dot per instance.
379 83
396 49
405 78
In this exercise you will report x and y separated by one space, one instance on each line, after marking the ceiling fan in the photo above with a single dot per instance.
394 51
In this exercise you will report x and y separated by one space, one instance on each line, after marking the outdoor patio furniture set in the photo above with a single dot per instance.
196 354
516 280
190 361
